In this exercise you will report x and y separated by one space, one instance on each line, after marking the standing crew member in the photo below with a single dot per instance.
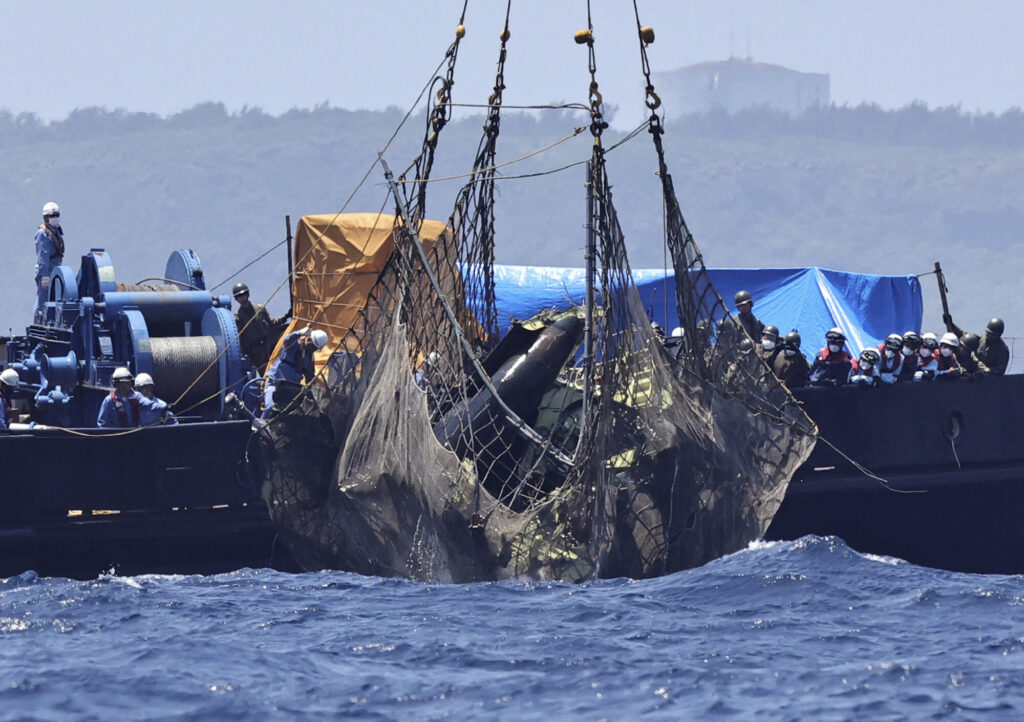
993 351
744 319
123 407
258 333
49 254
159 412
8 382
294 363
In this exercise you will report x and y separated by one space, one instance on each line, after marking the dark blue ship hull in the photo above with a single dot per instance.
170 499
952 459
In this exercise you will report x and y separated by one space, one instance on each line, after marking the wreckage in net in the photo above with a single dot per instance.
572 447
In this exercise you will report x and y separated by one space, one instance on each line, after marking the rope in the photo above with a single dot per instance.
862 469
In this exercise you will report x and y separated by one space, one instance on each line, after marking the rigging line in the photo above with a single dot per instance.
249 264
563 106
417 181
628 137
862 469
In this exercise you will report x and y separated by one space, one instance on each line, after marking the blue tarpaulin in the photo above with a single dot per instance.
811 300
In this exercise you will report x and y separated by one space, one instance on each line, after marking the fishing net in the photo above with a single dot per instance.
575 446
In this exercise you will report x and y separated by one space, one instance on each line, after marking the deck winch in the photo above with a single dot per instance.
171 328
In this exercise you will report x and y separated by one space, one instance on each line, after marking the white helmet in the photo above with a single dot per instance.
10 377
678 332
121 374
50 209
319 338
143 379
949 339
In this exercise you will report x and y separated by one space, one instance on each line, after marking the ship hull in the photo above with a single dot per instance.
950 457
170 499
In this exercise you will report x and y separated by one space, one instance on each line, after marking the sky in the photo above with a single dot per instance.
164 57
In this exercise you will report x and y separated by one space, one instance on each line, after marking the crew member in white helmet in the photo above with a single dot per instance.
49 254
123 407
294 363
159 412
8 382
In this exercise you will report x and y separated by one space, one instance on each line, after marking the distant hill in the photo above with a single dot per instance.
858 189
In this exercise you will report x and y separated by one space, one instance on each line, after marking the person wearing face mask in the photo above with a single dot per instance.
947 366
769 347
890 362
927 363
909 363
864 371
49 242
832 365
790 366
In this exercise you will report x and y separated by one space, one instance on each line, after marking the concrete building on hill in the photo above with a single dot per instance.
736 84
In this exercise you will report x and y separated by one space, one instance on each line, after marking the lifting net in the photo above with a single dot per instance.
431 449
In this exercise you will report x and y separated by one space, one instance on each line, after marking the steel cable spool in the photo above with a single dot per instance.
146 287
178 361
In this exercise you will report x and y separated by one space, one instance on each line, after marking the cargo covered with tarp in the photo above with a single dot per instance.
337 259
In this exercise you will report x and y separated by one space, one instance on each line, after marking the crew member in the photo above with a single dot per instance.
294 363
791 367
122 408
927 363
864 371
948 367
890 362
156 413
769 347
966 354
832 365
258 333
744 319
910 363
993 351
8 382
49 254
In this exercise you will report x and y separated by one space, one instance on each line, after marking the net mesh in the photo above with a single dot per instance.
434 450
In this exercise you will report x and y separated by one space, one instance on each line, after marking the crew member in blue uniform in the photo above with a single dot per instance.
49 254
294 363
158 412
8 382
122 408
832 365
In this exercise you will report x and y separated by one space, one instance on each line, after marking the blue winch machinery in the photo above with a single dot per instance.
174 330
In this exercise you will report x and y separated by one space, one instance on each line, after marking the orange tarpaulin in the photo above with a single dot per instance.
337 260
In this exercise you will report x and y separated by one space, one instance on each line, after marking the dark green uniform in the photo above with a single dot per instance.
993 353
260 336
791 370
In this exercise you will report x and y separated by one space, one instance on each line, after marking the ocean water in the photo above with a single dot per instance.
788 630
